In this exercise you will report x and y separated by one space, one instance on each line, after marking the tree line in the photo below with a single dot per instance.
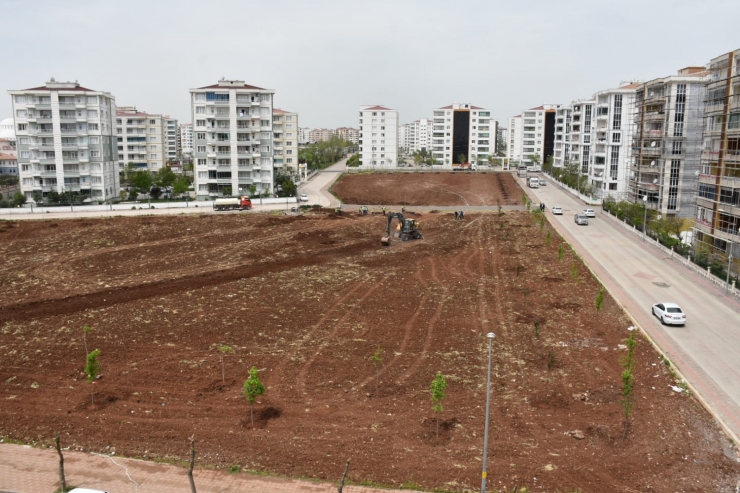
324 153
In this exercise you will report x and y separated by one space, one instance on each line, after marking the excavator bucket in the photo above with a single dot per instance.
386 241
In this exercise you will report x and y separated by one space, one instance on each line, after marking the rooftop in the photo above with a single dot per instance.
8 157
377 108
238 84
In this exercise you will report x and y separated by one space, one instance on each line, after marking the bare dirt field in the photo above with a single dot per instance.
443 189
308 300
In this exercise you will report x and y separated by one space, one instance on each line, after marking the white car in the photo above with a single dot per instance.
558 211
589 212
543 183
304 197
669 313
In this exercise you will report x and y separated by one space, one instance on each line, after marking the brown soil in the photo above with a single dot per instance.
443 189
308 300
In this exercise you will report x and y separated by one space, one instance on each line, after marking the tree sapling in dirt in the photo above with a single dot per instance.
574 272
224 350
560 253
599 301
537 329
85 330
439 384
548 238
628 381
92 369
377 360
192 464
253 388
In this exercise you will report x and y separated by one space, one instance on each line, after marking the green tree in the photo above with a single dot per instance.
462 158
224 350
439 384
535 158
253 190
377 361
92 369
226 191
253 388
18 199
165 177
181 185
354 161
37 197
141 180
155 192
628 381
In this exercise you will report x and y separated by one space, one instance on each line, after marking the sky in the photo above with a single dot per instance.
325 58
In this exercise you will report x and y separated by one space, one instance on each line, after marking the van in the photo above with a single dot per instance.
534 182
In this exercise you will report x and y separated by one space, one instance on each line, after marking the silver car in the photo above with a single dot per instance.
581 220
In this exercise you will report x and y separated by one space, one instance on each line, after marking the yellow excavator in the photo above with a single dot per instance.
407 229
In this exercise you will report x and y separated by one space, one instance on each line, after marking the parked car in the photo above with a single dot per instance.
558 211
669 313
589 212
543 182
304 197
581 220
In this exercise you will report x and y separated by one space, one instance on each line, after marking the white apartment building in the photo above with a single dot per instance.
612 141
141 139
186 138
66 140
667 142
320 134
378 137
532 133
416 135
303 135
403 145
463 131
232 138
285 129
171 139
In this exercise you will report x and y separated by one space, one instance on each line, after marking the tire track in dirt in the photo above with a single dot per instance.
280 367
409 325
101 299
301 378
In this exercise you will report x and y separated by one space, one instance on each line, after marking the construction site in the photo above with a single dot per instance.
347 335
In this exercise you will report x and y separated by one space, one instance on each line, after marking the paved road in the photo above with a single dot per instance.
30 470
707 349
317 187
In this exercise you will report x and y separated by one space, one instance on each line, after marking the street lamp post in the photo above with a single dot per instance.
484 475
729 267
644 220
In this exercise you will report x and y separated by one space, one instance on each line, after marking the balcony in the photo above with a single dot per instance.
256 103
655 116
729 181
653 187
708 179
84 159
651 151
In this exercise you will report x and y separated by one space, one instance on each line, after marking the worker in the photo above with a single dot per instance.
403 208
372 211
457 215
360 210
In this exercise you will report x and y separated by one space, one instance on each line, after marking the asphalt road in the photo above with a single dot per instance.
707 349
317 187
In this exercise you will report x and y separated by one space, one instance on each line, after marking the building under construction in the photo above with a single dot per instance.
717 224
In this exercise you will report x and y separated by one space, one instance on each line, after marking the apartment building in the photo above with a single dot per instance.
171 138
66 140
514 141
8 164
717 224
285 129
666 142
348 133
532 134
403 143
416 135
320 134
141 139
303 135
232 138
7 132
378 137
186 138
462 131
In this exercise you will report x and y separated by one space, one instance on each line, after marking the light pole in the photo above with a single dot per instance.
484 475
644 220
729 267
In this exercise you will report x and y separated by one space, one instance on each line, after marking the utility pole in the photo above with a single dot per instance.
729 268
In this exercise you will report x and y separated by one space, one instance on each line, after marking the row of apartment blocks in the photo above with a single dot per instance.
672 144
457 133
312 135
73 139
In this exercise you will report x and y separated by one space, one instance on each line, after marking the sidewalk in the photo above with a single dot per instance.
24 469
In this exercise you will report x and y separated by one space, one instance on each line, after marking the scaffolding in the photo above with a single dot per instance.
717 224
666 142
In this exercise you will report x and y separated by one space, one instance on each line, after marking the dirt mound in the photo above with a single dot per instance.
445 189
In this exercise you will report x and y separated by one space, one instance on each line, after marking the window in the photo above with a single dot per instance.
200 135
22 127
92 100
92 113
152 122
20 99
95 153
614 163
201 149
616 137
152 156
95 140
677 147
153 148
673 184
617 121
678 118
201 162
200 123
92 126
